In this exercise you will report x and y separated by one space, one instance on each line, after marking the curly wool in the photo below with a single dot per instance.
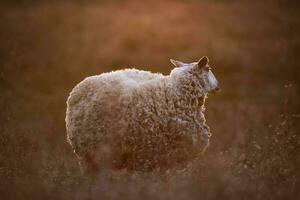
138 120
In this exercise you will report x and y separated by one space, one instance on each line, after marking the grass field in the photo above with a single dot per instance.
46 48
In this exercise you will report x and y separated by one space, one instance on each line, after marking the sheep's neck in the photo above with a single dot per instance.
187 98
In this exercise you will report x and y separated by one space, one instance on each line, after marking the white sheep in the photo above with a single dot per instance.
138 120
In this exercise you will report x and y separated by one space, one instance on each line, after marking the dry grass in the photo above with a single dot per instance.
46 48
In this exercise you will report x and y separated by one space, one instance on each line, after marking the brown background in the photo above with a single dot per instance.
47 47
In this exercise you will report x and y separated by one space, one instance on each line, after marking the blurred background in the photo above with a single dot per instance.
47 47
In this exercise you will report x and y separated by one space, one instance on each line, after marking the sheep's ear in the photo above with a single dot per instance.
203 62
176 63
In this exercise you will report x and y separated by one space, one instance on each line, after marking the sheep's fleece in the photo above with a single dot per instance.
138 120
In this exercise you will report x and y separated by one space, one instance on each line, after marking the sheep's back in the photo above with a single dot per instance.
92 109
97 106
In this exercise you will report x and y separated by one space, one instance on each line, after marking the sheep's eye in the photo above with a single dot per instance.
207 68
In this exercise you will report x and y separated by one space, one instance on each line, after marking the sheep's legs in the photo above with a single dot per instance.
88 165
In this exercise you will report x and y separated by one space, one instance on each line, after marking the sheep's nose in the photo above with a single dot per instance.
217 89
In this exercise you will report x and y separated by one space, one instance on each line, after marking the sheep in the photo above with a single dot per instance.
140 121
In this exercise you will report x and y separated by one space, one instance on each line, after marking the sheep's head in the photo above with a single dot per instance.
196 75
